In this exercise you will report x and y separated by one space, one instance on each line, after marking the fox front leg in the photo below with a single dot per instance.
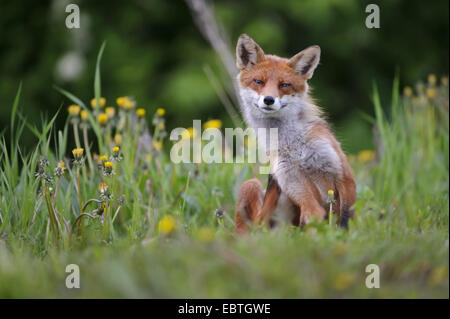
304 194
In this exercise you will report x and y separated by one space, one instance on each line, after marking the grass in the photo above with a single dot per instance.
134 249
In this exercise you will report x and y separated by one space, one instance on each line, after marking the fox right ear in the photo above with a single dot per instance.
248 52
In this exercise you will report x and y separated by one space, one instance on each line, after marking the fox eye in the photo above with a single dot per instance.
285 85
259 82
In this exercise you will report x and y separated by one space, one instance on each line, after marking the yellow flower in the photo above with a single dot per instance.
103 158
160 111
366 156
205 234
432 79
107 168
166 225
118 139
74 110
407 91
437 276
61 165
330 196
161 126
84 115
343 281
110 111
444 81
148 157
213 124
140 112
102 188
125 103
189 133
102 118
77 153
431 93
102 101
340 249
116 150
157 145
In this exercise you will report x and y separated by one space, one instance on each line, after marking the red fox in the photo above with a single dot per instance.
308 161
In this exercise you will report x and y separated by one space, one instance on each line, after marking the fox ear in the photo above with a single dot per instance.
306 61
248 52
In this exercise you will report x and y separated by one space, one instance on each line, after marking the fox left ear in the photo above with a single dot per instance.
306 61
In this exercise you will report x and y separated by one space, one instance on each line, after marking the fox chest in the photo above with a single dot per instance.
312 158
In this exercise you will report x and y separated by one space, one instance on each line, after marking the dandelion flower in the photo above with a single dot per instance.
432 79
438 276
189 133
125 103
366 156
167 225
330 196
59 169
212 124
84 115
102 188
74 110
116 156
140 112
205 234
103 158
157 145
431 93
104 191
102 119
118 139
407 91
340 249
110 111
78 153
343 281
161 126
108 169
102 101
160 111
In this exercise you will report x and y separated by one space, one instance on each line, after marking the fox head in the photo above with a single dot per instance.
271 86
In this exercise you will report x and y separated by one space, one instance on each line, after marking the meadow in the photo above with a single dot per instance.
140 226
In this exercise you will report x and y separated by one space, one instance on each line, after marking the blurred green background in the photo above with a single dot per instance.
155 53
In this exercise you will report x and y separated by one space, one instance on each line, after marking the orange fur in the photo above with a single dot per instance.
273 71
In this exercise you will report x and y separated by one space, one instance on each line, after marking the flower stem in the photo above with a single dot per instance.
88 150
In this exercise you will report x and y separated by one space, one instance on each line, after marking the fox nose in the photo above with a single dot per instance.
269 100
